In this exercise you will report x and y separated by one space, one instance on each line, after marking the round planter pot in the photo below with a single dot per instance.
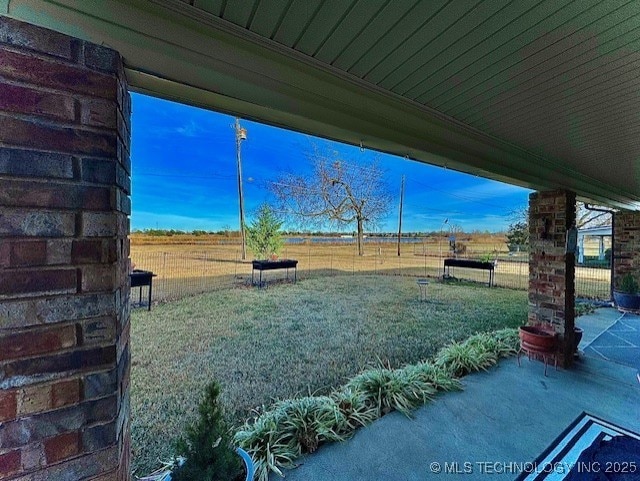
248 464
250 469
537 339
626 302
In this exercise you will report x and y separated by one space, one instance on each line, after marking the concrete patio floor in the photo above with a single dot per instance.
507 415
619 343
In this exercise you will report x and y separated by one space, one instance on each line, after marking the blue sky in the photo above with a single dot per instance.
184 175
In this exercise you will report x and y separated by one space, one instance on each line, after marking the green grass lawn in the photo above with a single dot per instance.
290 340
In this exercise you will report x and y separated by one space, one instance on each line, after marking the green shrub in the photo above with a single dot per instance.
207 447
263 234
488 257
628 284
584 307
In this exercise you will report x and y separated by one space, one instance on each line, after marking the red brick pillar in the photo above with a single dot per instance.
64 249
626 247
551 268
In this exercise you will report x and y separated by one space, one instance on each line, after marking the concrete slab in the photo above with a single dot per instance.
508 415
596 323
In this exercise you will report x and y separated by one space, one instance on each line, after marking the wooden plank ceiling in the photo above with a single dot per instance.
558 78
541 93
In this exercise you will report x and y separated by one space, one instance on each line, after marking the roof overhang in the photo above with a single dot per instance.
176 51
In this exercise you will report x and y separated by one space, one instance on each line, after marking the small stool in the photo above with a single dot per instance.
422 285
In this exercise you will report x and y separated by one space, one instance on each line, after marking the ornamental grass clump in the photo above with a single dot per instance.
268 444
477 353
436 376
387 390
280 435
507 342
292 427
313 420
355 409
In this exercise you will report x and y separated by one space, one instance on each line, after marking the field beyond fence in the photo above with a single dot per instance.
193 266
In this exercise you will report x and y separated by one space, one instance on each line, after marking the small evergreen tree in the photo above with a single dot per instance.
263 235
518 236
207 448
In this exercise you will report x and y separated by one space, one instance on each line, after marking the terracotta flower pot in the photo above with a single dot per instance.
537 339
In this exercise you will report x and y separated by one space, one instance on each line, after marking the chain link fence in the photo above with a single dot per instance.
183 272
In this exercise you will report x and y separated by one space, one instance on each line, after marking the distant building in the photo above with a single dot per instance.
600 233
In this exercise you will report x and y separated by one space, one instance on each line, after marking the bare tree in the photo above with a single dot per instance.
337 192
591 218
585 218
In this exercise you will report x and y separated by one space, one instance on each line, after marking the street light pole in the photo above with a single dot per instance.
241 134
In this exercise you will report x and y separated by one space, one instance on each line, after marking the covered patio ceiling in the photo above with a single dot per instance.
543 94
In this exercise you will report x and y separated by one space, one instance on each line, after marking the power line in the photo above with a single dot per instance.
432 209
458 196
266 183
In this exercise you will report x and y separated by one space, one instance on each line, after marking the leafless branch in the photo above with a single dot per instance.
338 192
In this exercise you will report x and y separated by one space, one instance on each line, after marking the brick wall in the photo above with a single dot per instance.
626 247
64 249
551 269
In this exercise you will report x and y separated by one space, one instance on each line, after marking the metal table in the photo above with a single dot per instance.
266 265
469 264
140 278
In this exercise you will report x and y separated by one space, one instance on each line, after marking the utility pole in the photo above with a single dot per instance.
400 216
241 134
441 234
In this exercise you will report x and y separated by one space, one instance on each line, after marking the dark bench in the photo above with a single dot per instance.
469 264
273 265
140 278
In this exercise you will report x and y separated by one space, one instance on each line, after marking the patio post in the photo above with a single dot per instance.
626 245
64 258
551 267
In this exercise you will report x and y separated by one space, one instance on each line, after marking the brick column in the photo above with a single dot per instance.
626 247
64 249
551 269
